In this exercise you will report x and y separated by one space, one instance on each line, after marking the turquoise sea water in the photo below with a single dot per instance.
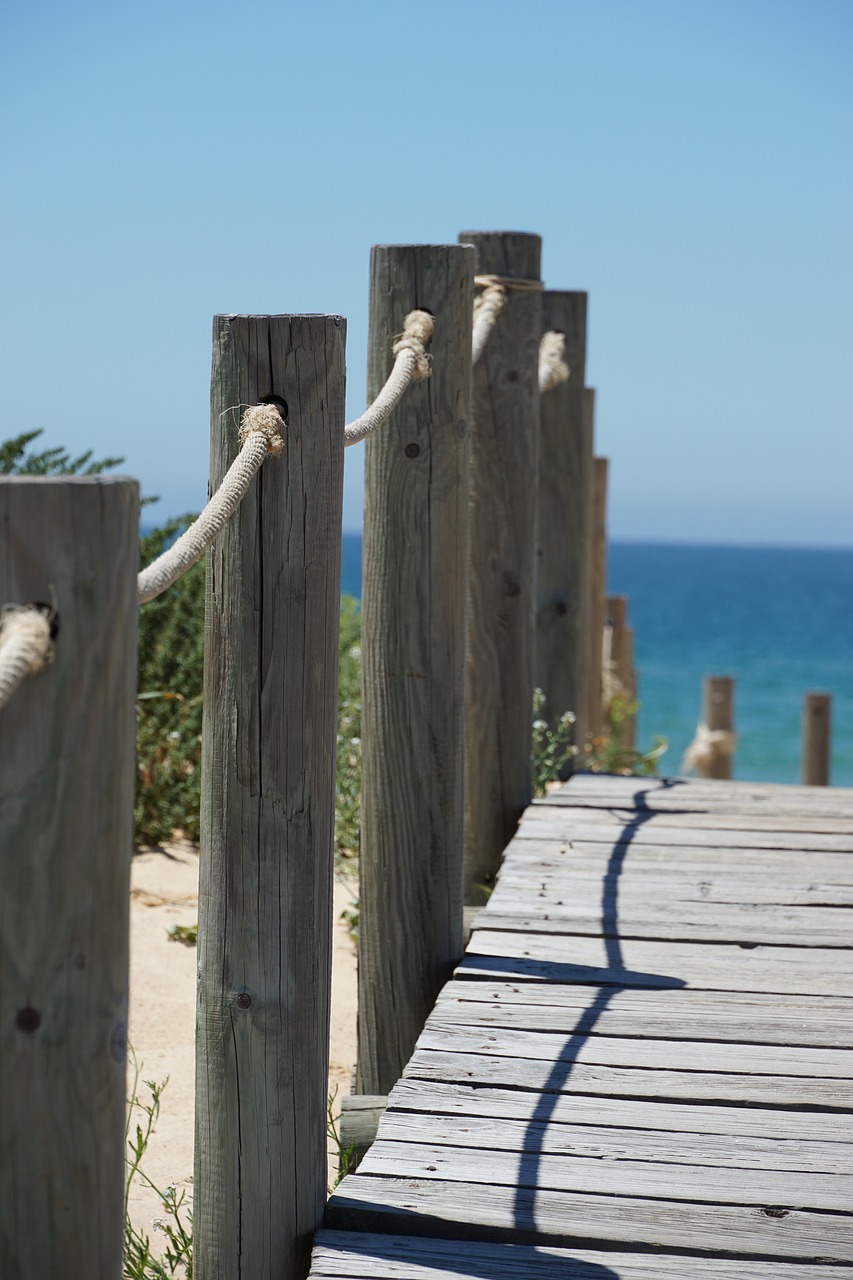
779 620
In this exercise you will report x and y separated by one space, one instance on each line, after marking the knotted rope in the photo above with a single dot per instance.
552 367
707 747
24 645
412 362
490 303
260 435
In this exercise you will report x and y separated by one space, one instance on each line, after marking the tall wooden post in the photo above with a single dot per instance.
718 717
504 472
563 525
817 715
598 587
68 747
632 687
268 798
413 647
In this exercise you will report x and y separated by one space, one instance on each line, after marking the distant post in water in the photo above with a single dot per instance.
413 655
817 716
598 586
563 524
504 473
68 751
267 809
711 751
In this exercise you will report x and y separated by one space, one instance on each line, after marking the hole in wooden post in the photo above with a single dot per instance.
412 450
280 404
49 610
28 1020
244 1000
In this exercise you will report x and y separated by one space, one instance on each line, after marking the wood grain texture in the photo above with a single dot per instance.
817 718
537 821
413 665
699 795
474 1210
67 745
268 807
360 1256
597 588
501 592
562 522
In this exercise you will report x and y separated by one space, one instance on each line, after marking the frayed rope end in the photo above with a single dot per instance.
418 328
266 419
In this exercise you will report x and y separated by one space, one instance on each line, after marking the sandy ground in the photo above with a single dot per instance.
164 892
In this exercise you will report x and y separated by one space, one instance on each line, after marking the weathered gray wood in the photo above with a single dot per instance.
817 716
682 1013
597 588
501 592
539 821
789 823
360 1116
268 765
479 1211
515 1160
360 1256
563 523
67 745
700 795
775 1126
556 958
413 646
446 1035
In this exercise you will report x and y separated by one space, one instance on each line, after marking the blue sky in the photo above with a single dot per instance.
686 162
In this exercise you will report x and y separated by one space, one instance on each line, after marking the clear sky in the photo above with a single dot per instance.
686 161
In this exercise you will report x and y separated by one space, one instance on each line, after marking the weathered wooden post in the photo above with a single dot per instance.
268 799
67 745
712 749
501 592
413 660
598 585
632 686
817 716
563 525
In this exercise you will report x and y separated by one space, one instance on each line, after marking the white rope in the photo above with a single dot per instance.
24 646
490 303
707 747
552 367
260 435
412 362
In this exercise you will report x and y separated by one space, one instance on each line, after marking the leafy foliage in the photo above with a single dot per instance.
140 1260
552 748
608 753
16 460
348 772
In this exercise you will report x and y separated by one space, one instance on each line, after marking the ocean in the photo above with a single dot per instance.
779 620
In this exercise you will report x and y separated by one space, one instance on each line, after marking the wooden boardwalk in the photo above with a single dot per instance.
643 1066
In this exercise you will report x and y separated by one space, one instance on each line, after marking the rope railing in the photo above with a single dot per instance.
707 747
260 436
412 363
25 645
490 303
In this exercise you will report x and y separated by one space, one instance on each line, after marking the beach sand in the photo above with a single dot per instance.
164 892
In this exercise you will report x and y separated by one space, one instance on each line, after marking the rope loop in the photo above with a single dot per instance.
411 363
418 329
25 645
707 747
552 366
490 303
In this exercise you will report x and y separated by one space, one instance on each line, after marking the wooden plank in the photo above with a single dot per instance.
611 1146
681 1013
477 1211
690 1086
68 747
622 815
709 966
268 799
675 794
549 821
413 671
528 1167
504 459
674 921
350 1255
563 525
642 1051
777 1125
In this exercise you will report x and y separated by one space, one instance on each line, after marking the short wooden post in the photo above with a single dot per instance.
268 798
631 686
501 592
563 525
413 664
598 582
68 746
817 716
718 717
